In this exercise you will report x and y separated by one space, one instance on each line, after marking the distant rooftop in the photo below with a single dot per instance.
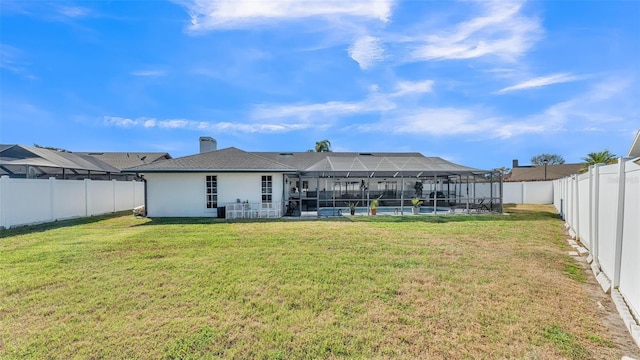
123 160
537 173
22 155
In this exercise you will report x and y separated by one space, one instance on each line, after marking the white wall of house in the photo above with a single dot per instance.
184 194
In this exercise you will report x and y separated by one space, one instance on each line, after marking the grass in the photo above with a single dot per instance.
459 287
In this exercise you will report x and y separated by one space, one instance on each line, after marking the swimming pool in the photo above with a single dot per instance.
382 210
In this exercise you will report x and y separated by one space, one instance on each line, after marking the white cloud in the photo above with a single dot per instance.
541 81
12 59
150 123
225 14
602 104
74 11
177 124
323 111
412 87
471 122
500 31
121 122
440 121
366 51
149 73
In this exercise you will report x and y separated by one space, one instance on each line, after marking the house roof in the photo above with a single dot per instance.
381 164
22 155
340 163
634 150
229 159
536 173
123 160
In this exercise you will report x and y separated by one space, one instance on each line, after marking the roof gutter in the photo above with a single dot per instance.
292 171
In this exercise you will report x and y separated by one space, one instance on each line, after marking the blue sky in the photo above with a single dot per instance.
476 82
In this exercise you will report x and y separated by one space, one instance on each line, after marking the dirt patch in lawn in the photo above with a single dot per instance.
609 316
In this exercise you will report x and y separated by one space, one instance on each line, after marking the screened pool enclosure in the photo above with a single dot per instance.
340 182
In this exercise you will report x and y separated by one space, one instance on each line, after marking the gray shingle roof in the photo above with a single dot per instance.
33 156
305 160
229 159
123 160
232 159
374 163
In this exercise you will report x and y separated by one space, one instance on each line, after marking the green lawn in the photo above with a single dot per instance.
489 287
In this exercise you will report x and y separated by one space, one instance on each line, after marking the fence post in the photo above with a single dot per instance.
86 197
113 198
595 213
619 222
133 183
3 220
563 196
52 199
577 192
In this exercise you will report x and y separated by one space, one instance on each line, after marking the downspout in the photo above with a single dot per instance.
467 191
402 195
318 195
146 206
435 194
285 202
491 191
501 193
300 192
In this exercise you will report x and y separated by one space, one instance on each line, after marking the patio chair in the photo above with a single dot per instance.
481 207
291 206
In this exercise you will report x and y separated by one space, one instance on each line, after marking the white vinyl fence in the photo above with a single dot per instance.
602 209
537 192
32 201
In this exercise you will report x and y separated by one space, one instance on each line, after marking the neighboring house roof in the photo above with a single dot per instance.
343 163
634 150
123 160
229 159
21 155
536 173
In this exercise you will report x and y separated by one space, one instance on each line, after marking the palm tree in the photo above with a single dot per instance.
323 146
601 157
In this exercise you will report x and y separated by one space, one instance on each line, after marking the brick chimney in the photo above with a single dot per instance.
515 164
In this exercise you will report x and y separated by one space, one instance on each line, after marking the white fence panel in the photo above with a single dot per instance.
100 195
602 208
630 264
32 201
557 196
125 195
513 193
69 199
538 192
584 187
608 206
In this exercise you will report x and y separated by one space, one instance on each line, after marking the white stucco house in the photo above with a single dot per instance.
234 183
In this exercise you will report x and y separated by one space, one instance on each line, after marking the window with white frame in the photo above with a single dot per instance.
212 191
267 188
